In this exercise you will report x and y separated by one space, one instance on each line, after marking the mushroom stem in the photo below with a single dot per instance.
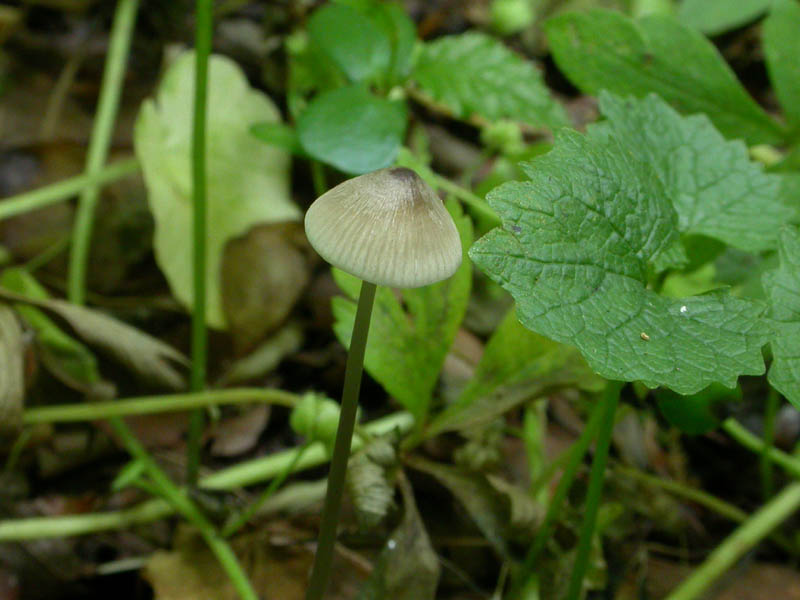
323 559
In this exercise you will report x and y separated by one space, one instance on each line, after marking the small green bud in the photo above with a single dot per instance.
503 136
508 17
317 418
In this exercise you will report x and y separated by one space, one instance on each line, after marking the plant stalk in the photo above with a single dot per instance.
323 559
181 502
575 458
107 108
746 536
594 495
66 189
236 476
148 405
204 17
770 412
788 463
240 519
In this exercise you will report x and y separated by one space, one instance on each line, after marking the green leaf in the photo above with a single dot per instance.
67 358
695 414
391 18
248 181
279 135
474 74
405 351
606 50
354 42
352 130
516 365
783 292
715 187
576 250
717 16
782 51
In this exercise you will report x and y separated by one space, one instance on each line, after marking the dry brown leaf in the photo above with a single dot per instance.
144 354
263 274
238 434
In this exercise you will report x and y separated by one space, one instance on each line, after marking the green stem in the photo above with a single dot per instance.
236 522
237 476
204 16
770 411
574 459
790 464
107 107
318 177
155 404
594 495
66 189
184 505
323 559
746 536
725 509
472 200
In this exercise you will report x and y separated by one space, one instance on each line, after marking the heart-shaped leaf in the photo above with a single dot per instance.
576 249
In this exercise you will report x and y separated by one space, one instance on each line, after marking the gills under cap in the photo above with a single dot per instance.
386 227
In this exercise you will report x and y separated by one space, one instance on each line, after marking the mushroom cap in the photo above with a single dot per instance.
386 227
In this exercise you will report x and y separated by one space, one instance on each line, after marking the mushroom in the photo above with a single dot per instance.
387 228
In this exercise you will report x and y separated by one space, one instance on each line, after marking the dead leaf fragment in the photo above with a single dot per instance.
238 434
263 275
142 353
407 568
12 371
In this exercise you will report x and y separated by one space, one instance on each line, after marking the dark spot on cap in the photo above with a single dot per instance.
405 174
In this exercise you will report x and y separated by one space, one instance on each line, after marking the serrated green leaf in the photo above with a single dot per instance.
575 251
782 51
473 73
783 292
717 16
405 351
351 40
352 129
516 365
248 181
602 49
715 187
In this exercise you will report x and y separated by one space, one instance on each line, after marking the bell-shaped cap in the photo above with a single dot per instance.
386 227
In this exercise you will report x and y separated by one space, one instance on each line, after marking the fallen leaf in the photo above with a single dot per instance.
248 181
407 568
238 434
276 564
266 357
263 274
144 354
